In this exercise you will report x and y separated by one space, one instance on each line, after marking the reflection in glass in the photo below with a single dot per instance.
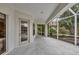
24 29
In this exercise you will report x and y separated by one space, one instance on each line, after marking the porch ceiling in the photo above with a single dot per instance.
40 11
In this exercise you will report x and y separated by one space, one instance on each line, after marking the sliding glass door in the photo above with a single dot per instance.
2 33
41 29
77 29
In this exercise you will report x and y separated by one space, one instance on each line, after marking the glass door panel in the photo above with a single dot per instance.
41 29
24 31
2 33
77 29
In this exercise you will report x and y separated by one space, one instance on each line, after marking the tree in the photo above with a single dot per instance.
68 24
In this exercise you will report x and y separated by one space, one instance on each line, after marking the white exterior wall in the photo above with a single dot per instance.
12 28
9 27
23 16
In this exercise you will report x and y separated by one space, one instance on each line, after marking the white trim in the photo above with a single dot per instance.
7 33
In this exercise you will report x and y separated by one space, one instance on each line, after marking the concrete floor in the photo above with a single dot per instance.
46 46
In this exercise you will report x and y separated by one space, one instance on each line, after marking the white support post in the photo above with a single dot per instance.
46 31
75 25
35 29
75 41
57 29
